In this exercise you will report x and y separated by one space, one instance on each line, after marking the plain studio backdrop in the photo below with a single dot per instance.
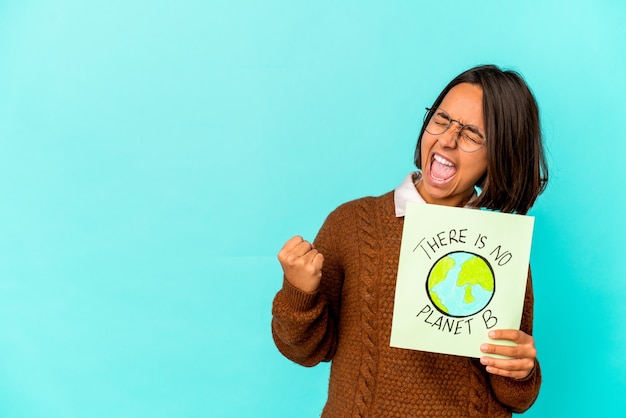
155 155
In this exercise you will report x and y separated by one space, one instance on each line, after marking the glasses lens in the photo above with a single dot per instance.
439 123
470 139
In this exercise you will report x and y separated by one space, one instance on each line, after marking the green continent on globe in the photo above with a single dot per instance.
440 271
468 298
475 272
437 275
435 298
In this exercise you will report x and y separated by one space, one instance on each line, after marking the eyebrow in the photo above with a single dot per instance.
442 112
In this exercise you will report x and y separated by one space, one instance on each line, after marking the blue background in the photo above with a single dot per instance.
155 155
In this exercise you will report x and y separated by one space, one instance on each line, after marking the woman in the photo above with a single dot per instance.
480 146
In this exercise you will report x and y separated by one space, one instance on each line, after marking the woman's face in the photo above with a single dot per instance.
448 173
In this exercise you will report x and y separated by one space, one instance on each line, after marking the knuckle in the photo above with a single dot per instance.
312 269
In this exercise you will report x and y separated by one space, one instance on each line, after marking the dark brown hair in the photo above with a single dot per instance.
517 171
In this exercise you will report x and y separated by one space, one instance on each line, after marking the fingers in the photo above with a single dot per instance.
291 244
515 351
515 368
317 261
514 335
296 248
521 355
512 352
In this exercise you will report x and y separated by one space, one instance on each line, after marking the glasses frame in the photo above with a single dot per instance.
456 137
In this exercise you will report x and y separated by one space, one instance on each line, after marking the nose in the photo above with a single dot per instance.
448 139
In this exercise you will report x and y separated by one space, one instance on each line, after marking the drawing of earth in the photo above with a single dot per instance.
460 284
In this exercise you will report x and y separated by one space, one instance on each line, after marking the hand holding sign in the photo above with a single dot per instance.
523 354
302 264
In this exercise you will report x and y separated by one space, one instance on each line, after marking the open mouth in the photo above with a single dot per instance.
441 169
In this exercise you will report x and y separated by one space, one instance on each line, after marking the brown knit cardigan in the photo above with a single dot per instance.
348 320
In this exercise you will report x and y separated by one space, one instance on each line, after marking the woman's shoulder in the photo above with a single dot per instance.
347 223
368 205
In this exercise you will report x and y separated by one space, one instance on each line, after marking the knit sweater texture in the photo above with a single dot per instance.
348 321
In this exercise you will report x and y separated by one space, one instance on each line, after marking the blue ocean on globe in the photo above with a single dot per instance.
454 297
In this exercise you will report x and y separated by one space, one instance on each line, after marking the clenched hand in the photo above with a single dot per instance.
302 264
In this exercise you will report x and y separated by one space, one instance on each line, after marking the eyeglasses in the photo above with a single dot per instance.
469 138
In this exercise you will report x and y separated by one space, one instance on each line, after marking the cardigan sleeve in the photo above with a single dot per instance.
304 325
519 395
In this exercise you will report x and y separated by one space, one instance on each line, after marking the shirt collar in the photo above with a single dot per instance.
406 192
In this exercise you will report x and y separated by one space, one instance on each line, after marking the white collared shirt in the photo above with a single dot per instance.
406 192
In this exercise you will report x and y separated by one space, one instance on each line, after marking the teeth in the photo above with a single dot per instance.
443 161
